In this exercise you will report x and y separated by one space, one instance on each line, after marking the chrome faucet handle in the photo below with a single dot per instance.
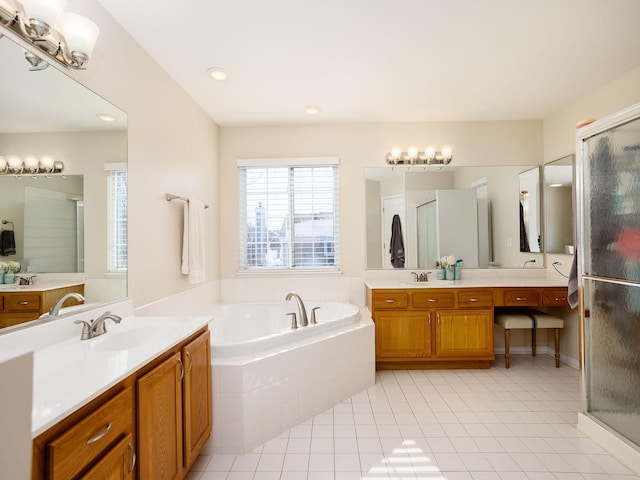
416 279
313 315
98 325
86 329
294 323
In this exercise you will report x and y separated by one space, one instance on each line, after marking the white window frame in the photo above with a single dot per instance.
290 163
117 252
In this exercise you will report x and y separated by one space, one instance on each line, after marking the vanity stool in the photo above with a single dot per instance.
528 318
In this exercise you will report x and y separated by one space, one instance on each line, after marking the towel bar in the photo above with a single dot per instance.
178 197
4 222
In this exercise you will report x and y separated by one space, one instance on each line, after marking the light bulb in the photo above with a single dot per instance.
46 164
47 11
447 152
15 164
396 152
413 153
30 164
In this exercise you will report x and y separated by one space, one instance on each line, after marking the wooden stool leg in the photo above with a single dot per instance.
557 335
507 338
533 341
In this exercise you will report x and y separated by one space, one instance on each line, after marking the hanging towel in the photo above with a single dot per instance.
7 243
573 282
396 246
193 241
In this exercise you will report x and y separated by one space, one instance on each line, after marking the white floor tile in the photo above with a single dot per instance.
496 424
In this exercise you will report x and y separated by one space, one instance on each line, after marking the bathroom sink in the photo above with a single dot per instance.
132 338
432 283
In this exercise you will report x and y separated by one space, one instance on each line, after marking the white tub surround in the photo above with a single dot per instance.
257 396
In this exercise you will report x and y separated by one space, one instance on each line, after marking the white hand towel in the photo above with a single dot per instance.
197 264
185 240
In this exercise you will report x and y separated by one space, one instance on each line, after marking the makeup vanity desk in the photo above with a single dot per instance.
448 324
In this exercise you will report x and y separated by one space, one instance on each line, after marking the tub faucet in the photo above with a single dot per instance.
55 310
303 312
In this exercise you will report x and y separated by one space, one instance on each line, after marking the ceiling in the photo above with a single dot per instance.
379 61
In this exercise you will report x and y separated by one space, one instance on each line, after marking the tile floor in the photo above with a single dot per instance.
496 424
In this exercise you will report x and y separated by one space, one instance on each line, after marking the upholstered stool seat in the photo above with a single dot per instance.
528 318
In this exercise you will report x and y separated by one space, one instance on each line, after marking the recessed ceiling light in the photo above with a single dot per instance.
311 110
105 117
218 73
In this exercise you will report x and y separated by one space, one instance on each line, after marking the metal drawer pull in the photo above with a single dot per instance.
438 316
24 302
429 317
560 299
100 435
432 300
181 369
190 362
521 299
390 300
133 458
473 299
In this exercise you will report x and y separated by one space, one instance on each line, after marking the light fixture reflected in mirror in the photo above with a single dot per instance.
29 165
430 156
66 37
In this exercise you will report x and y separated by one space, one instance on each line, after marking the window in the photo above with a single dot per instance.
117 217
289 214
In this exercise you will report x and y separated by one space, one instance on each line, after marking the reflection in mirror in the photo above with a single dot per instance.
530 211
466 211
558 206
47 113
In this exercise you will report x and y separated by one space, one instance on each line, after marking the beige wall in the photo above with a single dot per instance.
360 146
173 147
560 128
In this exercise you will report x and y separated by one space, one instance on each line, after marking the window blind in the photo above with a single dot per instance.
117 220
289 216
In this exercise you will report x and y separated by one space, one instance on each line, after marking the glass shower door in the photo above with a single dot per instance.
611 277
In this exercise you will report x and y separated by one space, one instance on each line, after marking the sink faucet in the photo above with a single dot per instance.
95 328
26 280
55 310
303 312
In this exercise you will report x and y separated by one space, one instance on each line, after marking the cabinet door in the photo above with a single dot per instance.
467 333
117 464
160 421
196 357
403 334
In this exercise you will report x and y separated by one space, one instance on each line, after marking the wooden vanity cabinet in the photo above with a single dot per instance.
432 328
152 425
24 306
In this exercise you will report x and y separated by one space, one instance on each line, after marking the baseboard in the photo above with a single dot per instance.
619 448
544 350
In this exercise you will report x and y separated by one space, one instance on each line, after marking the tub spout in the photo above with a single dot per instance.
303 312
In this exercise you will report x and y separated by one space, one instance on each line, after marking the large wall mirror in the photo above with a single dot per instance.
60 221
559 220
470 212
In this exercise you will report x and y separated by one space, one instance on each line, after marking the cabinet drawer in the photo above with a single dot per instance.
521 296
390 299
433 299
555 298
475 298
22 302
79 446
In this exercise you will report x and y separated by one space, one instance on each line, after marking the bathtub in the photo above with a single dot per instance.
249 328
268 378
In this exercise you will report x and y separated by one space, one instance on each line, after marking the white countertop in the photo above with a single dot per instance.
469 283
70 373
38 286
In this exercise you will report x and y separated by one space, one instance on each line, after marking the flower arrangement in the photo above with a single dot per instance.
11 266
448 261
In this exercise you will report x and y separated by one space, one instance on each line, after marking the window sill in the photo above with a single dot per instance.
289 272
115 275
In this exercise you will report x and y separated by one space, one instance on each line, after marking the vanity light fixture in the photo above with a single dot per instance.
555 185
67 38
413 156
29 165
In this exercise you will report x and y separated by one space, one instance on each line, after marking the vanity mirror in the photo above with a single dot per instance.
558 206
484 234
46 112
530 205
